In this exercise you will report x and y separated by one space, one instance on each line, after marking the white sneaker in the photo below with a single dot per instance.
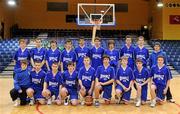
153 103
138 103
17 102
31 103
82 102
49 101
66 101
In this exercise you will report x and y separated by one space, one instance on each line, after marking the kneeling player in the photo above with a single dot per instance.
70 83
142 78
161 77
52 85
37 80
104 81
86 79
124 81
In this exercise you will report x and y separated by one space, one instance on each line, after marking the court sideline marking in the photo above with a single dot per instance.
37 109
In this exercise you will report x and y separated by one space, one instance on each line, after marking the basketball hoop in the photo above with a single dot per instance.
97 23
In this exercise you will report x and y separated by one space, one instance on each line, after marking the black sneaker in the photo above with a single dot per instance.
66 101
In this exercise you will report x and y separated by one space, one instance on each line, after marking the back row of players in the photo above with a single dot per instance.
93 68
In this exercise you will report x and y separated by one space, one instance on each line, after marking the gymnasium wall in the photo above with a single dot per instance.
33 14
170 31
6 16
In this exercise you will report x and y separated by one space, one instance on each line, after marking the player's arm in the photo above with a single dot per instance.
45 86
146 82
42 63
167 85
118 82
32 62
108 82
62 70
47 64
131 84
80 83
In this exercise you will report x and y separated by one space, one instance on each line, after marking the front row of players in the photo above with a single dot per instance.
63 87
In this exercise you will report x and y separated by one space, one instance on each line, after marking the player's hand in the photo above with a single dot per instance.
101 83
82 87
165 91
20 91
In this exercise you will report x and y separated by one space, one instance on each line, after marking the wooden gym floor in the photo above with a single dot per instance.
6 105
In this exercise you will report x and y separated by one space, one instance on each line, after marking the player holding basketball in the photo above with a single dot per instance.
96 53
52 85
37 80
142 77
128 50
160 82
81 51
104 80
68 55
124 81
86 78
70 84
52 55
38 54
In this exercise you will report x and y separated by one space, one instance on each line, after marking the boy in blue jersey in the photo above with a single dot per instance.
153 61
86 79
81 51
38 54
70 85
113 54
124 81
142 77
52 85
52 55
128 50
141 52
21 54
96 53
22 82
104 80
68 55
37 79
160 82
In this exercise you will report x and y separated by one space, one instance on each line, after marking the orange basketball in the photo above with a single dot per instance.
88 100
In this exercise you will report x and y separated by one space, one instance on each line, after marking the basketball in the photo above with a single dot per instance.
88 100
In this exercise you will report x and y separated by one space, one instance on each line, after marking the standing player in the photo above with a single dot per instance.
124 81
160 82
21 54
68 55
142 77
70 83
113 54
128 50
141 52
38 54
86 79
37 79
153 61
81 51
96 53
52 55
52 85
22 81
104 80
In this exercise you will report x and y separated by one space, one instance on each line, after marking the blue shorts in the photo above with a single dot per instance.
126 95
143 92
107 92
54 92
73 93
37 93
159 92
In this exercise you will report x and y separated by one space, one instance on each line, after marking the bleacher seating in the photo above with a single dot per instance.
172 49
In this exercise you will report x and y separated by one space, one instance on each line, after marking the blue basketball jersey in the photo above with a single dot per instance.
141 76
160 75
67 57
53 81
21 55
53 56
114 57
86 76
38 54
129 52
96 57
125 76
81 53
142 54
37 79
70 81
105 74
